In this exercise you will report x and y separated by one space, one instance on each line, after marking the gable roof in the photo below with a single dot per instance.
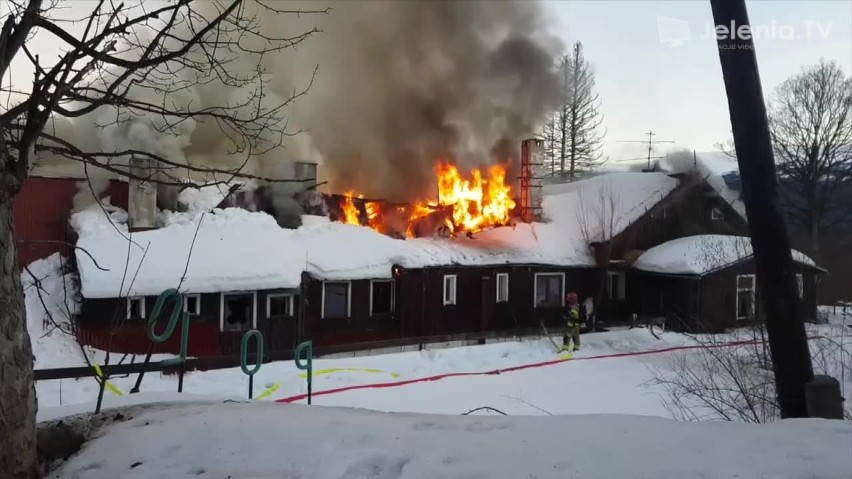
701 254
601 207
238 250
720 172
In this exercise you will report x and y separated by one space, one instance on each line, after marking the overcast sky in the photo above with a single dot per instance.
656 71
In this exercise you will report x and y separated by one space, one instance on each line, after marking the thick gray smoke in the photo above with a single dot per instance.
401 84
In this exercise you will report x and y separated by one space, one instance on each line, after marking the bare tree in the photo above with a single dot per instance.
118 64
580 136
734 382
597 219
550 135
811 125
730 376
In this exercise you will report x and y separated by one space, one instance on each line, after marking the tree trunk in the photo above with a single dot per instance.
17 391
776 280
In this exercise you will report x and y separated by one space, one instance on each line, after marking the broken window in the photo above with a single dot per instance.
192 304
745 296
279 305
136 308
381 297
503 287
549 289
449 289
237 311
335 299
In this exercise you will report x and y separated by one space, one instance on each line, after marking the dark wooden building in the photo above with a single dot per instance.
217 322
711 290
510 290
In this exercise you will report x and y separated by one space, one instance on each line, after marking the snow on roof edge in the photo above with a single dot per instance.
238 250
700 255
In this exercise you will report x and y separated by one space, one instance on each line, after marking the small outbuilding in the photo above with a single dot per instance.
706 283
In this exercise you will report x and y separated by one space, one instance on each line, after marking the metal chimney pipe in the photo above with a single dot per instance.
142 194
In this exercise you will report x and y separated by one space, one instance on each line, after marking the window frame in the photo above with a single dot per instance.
197 297
348 300
800 285
535 290
621 285
141 299
454 300
497 287
392 295
753 290
222 308
716 214
279 295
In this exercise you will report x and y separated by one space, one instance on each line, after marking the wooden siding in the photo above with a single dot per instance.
708 303
41 212
357 327
718 296
684 212
423 312
103 324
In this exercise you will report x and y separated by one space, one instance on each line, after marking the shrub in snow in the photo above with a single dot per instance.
737 383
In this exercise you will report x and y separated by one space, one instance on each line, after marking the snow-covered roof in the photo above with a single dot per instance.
604 205
701 254
719 170
234 250
238 250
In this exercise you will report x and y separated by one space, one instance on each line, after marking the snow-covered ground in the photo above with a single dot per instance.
265 441
51 299
593 414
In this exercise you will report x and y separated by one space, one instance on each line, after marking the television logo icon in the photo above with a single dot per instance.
673 32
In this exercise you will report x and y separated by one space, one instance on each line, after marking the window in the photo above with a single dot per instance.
335 299
745 296
617 284
279 305
800 285
716 214
449 289
136 308
192 304
381 297
237 312
549 289
503 287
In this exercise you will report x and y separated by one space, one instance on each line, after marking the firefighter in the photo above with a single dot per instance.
571 338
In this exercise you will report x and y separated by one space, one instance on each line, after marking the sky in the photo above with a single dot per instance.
657 70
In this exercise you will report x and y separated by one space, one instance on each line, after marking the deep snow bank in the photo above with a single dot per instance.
272 441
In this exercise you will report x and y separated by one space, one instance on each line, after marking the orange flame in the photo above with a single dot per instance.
476 203
350 211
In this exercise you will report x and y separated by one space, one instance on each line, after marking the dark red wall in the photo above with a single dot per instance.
42 208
